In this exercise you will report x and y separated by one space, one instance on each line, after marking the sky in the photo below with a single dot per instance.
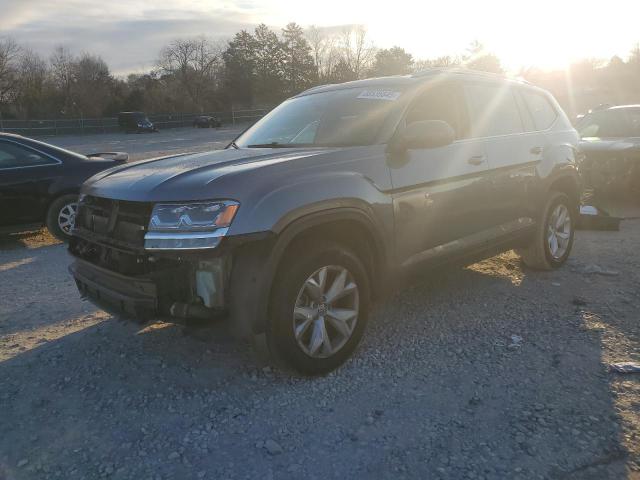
128 34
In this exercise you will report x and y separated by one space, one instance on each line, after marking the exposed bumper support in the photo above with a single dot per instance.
133 298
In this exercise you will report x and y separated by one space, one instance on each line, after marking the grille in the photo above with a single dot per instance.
114 220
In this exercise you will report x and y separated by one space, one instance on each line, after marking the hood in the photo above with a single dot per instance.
185 177
610 145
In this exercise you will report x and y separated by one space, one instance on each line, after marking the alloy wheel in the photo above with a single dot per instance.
326 311
559 231
67 217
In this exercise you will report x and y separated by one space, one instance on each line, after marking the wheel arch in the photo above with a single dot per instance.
348 226
55 196
568 185
256 266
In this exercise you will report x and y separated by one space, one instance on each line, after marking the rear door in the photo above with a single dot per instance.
25 176
513 147
440 194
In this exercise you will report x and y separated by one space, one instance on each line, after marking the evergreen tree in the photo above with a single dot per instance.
240 68
479 59
392 61
269 65
300 71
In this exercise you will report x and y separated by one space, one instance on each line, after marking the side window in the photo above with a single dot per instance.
525 114
13 156
608 123
493 110
541 110
440 102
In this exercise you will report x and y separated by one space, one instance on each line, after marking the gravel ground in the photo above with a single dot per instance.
490 371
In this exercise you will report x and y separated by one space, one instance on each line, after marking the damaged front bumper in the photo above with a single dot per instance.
142 285
127 296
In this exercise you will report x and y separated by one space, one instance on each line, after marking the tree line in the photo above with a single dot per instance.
261 68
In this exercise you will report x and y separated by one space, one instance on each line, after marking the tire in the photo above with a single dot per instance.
61 209
304 354
540 253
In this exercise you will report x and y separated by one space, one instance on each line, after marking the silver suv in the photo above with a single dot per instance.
294 229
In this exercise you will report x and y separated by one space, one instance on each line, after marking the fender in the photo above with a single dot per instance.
256 265
560 164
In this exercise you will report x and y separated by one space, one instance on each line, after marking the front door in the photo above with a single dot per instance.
440 194
25 175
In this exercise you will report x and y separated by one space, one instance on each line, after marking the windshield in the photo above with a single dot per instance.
347 117
618 123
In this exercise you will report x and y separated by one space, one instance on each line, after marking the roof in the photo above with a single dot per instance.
624 107
467 72
412 79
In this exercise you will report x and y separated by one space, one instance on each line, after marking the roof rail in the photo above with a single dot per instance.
316 87
463 71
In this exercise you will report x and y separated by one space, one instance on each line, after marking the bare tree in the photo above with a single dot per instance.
9 56
92 85
33 74
62 74
194 63
321 44
358 53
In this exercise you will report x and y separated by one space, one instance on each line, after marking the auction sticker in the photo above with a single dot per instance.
389 95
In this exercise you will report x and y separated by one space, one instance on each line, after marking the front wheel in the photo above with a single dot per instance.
61 216
319 308
554 234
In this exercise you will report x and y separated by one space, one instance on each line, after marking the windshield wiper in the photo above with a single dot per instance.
234 145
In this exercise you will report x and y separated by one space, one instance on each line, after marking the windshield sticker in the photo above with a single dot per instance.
389 95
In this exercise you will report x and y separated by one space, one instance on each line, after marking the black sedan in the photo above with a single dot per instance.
611 144
39 183
206 121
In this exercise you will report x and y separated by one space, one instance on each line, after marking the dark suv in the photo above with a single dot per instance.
611 145
136 122
311 213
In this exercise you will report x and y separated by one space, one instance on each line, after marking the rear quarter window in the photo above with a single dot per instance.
16 156
543 113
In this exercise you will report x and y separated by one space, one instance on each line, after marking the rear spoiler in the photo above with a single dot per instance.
117 156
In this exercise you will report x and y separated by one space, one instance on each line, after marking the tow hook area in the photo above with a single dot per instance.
189 312
207 303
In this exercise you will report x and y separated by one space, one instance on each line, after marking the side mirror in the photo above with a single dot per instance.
424 134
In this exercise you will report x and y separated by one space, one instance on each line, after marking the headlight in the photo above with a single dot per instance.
189 226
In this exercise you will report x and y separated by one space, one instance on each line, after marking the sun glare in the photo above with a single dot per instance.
547 34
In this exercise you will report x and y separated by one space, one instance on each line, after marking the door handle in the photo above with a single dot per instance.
477 160
536 150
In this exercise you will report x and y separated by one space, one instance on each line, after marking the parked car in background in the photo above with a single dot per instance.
610 140
135 122
205 121
39 183
335 195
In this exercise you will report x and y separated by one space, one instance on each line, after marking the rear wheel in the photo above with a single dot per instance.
319 308
554 234
61 216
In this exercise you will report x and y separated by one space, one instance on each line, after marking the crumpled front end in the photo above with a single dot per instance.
114 271
611 169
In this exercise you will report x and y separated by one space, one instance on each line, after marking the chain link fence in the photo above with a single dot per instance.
39 128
